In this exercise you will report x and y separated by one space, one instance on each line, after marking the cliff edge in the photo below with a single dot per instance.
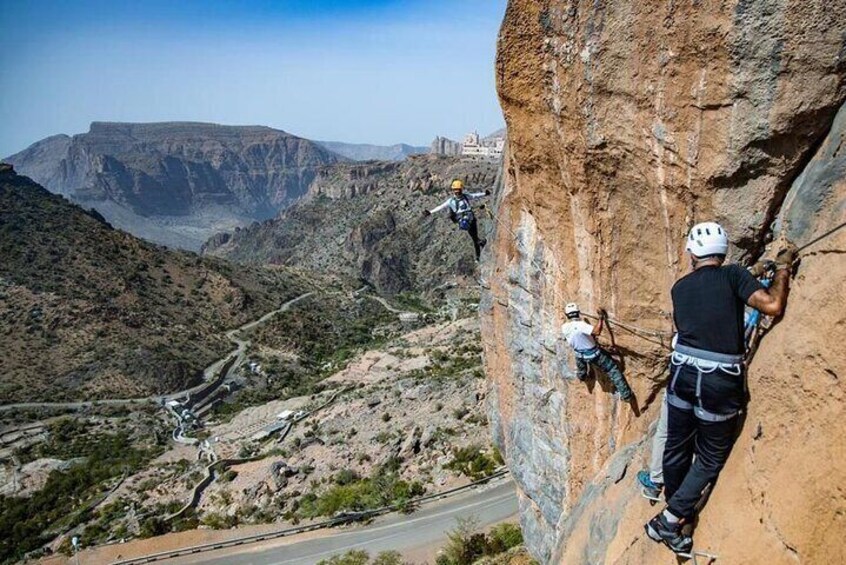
627 123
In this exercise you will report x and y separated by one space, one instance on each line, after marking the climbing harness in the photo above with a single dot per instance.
705 362
465 221
587 354
462 211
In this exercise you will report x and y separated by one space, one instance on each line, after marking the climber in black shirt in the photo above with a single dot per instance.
707 390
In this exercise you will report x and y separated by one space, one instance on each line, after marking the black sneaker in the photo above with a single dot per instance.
670 534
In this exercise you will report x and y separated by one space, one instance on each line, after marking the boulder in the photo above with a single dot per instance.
427 438
411 445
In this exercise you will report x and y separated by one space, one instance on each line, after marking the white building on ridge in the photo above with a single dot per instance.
488 148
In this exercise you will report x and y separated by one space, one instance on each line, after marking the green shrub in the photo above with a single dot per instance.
349 493
153 526
389 558
219 521
352 557
27 523
505 536
471 461
346 476
460 412
466 544
360 557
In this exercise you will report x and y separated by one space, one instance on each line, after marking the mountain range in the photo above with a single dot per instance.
179 183
176 182
367 152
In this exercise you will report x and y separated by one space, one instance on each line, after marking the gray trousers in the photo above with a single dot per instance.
656 460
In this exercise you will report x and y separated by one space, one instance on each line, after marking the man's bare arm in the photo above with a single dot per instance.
771 301
597 329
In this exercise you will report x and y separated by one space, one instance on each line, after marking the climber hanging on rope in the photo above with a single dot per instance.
581 336
461 212
707 387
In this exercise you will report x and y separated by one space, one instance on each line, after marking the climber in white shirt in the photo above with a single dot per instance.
581 336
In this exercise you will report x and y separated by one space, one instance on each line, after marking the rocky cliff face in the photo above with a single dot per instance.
628 122
136 171
445 146
364 221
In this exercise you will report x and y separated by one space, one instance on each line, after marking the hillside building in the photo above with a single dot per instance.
487 148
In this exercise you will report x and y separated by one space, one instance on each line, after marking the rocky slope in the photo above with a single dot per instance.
368 152
628 122
364 221
195 174
409 404
91 311
393 408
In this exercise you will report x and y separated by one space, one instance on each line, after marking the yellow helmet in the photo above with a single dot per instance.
458 184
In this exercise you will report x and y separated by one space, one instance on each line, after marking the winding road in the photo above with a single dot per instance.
239 355
208 372
415 535
386 304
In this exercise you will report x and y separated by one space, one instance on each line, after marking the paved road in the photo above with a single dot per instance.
426 528
240 355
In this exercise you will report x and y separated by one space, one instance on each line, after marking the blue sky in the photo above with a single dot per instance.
375 71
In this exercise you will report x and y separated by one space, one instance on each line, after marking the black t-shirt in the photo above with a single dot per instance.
708 307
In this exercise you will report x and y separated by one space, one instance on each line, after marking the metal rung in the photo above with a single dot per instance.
647 497
709 557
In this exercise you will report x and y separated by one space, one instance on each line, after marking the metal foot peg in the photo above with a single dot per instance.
699 557
653 500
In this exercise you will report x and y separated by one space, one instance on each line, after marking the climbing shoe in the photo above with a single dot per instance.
648 487
660 530
483 242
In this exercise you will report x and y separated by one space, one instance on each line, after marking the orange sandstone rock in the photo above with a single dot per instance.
628 122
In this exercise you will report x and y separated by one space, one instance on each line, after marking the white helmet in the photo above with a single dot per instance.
707 238
572 310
